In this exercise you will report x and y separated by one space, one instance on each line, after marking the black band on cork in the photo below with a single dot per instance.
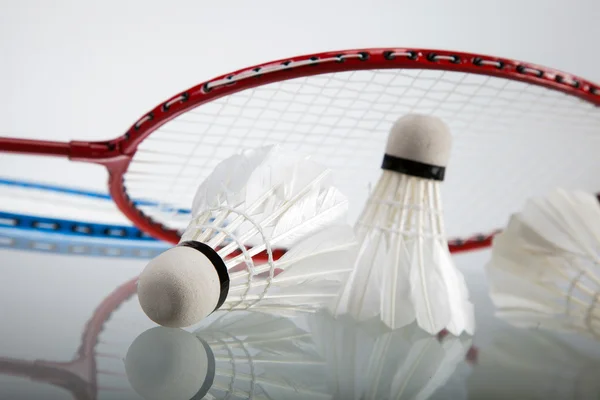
413 168
217 262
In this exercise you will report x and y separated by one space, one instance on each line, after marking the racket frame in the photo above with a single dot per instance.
117 154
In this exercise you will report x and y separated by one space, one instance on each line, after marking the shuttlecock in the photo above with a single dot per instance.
545 267
404 271
251 205
240 355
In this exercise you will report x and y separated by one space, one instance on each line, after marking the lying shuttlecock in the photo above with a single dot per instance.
545 267
241 355
251 205
404 270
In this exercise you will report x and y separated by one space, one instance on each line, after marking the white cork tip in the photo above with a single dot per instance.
421 138
165 363
179 288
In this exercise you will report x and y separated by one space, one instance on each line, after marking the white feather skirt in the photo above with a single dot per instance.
404 271
545 267
269 202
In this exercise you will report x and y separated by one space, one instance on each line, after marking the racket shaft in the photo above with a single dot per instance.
39 147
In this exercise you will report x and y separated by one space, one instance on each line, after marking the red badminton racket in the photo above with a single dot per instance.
519 130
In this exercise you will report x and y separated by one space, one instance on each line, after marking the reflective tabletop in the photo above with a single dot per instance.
71 327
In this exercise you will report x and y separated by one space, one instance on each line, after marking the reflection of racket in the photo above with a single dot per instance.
97 369
519 130
47 241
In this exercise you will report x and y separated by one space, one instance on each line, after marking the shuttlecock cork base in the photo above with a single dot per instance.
183 285
419 146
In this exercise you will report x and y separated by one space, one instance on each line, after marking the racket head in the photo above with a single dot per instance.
519 130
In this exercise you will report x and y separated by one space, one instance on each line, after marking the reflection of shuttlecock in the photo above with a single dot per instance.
407 365
367 361
252 204
242 355
545 267
346 346
404 271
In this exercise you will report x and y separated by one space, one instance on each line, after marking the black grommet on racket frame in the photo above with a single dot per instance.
217 262
413 168
432 57
389 55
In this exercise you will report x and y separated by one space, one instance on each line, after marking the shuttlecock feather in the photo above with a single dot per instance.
404 271
252 205
545 267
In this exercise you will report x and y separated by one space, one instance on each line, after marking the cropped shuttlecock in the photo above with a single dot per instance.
252 205
241 355
404 271
545 267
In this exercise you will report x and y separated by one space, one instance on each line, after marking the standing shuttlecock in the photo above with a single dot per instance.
251 205
545 267
241 355
404 271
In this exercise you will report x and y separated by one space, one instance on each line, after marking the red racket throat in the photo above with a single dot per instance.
336 69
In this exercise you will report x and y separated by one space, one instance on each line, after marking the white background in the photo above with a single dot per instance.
75 69
88 69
